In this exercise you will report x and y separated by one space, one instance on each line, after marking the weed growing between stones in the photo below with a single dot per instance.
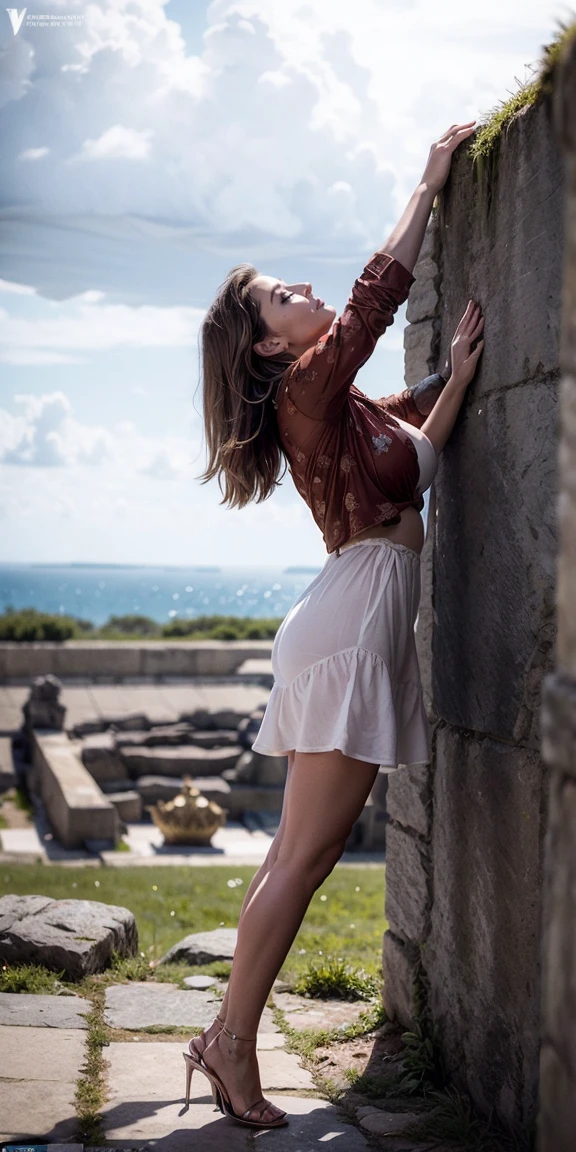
32 978
91 1085
334 979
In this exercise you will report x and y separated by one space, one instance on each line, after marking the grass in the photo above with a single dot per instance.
334 979
30 978
498 118
344 923
28 624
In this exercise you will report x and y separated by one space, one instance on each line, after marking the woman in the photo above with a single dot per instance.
278 375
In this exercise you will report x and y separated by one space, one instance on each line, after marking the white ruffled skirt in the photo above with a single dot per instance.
346 672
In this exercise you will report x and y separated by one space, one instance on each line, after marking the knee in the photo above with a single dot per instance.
311 866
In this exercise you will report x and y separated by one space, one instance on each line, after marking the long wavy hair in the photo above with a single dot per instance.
239 390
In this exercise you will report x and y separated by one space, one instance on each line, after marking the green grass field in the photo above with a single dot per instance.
345 918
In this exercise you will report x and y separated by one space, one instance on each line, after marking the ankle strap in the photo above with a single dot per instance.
233 1036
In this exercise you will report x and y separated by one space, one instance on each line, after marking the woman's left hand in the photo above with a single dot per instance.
440 158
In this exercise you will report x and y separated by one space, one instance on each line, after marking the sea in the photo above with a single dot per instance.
95 592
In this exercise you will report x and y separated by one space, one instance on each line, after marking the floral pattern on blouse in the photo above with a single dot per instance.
382 442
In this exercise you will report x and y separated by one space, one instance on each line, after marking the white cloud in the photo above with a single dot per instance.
45 434
284 103
84 323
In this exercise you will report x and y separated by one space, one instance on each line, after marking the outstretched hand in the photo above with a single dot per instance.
463 360
440 158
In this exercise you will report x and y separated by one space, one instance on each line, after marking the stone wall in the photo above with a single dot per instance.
104 660
557 1125
466 846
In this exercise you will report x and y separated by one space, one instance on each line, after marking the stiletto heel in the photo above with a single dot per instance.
224 1101
194 1065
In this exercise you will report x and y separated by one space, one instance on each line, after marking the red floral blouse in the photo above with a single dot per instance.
350 460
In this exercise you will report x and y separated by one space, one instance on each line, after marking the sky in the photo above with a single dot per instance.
149 145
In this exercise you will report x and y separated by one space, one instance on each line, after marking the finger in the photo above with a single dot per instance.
448 132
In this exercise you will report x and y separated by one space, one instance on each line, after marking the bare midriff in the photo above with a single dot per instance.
410 531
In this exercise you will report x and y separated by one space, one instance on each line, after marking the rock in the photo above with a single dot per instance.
252 798
134 722
100 757
164 734
109 787
243 771
211 718
128 805
408 895
270 770
76 936
7 770
249 728
201 982
385 1123
203 947
86 728
144 1006
219 738
42 709
34 1011
155 788
167 761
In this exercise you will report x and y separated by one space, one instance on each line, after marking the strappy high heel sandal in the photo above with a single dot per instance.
224 1102
193 1059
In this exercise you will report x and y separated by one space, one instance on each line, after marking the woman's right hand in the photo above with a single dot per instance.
463 360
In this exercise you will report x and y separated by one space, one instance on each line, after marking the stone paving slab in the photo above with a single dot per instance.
39 1073
136 1006
156 1106
301 1012
27 1009
312 1122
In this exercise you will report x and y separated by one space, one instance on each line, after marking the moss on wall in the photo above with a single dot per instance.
483 150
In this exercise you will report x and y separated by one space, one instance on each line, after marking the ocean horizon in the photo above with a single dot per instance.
164 592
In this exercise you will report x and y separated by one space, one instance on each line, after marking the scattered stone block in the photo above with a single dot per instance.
155 788
109 787
128 805
252 798
249 728
7 770
75 806
76 936
100 756
203 947
23 1009
179 761
219 738
305 1012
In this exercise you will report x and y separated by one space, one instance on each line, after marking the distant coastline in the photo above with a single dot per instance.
301 568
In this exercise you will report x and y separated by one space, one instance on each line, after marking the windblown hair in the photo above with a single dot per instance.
239 389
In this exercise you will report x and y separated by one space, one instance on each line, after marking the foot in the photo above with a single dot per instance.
199 1043
236 1064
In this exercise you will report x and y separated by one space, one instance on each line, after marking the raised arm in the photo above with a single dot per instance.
319 381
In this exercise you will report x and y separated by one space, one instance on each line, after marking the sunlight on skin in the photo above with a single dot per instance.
294 317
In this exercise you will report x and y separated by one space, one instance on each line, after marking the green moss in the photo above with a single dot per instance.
495 121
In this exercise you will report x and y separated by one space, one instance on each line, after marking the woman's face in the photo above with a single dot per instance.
295 318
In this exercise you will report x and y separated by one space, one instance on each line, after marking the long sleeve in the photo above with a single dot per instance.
318 383
416 403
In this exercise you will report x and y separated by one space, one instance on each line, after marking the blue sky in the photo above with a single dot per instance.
146 148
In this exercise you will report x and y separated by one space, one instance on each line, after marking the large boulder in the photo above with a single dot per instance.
74 936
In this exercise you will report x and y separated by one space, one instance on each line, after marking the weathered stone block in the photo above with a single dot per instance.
558 1093
100 756
76 936
407 885
419 356
128 805
75 806
559 999
424 297
566 592
514 273
400 961
483 953
155 788
409 798
494 600
173 761
559 721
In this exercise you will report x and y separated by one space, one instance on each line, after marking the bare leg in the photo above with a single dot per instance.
324 796
200 1042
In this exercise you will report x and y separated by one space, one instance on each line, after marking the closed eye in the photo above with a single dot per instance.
286 296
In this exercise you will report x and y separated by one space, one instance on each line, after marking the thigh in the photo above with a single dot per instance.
325 794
